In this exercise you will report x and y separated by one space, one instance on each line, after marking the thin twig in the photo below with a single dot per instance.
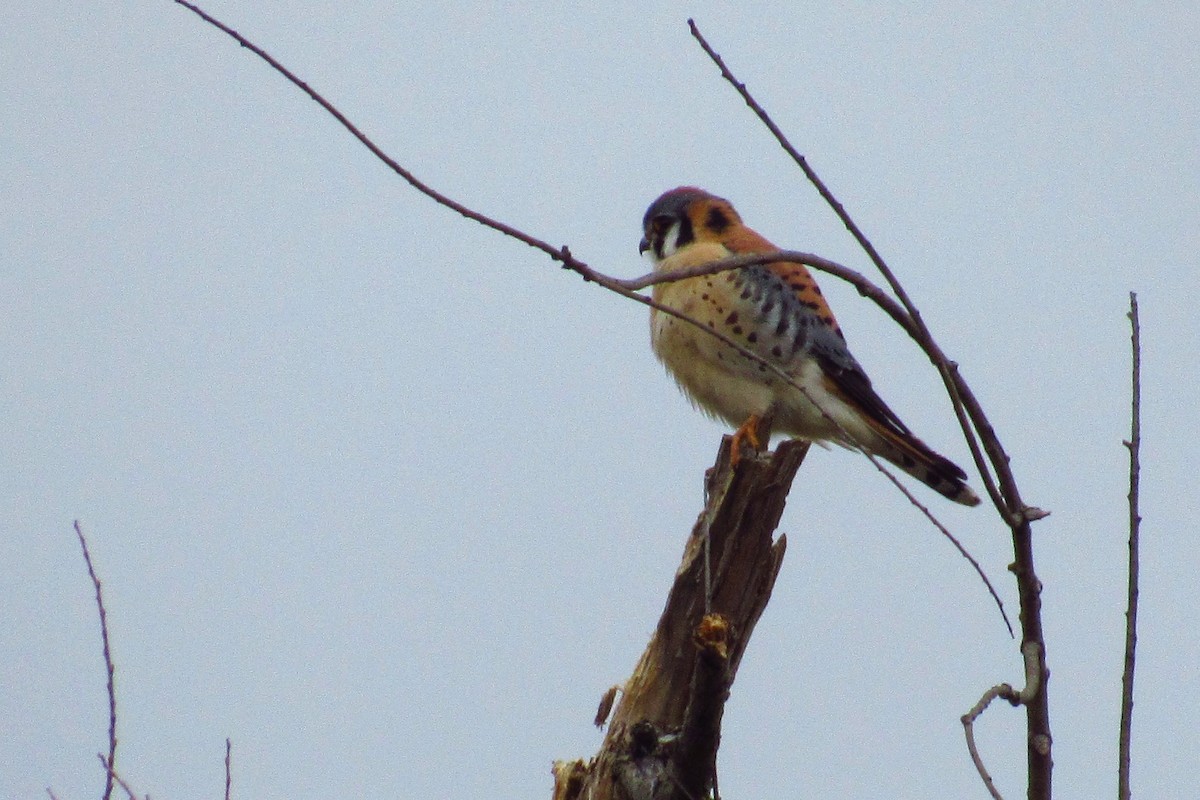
228 774
1135 520
108 662
968 722
108 767
563 256
946 533
555 253
1032 657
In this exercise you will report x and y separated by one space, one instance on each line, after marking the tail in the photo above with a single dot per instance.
872 424
932 469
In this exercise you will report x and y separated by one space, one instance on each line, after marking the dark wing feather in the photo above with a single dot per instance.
855 385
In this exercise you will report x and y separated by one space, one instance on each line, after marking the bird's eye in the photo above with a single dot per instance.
661 223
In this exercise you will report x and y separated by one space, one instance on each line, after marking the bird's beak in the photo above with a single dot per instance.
643 245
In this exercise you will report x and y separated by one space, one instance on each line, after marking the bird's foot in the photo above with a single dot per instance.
748 434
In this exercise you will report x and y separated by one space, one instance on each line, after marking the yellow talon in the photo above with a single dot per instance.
747 433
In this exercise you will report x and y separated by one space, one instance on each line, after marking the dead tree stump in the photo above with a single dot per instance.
663 737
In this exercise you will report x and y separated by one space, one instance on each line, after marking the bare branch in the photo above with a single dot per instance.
623 287
108 767
662 740
800 160
856 279
554 253
968 721
1135 520
228 774
108 662
945 367
1006 497
1032 657
966 407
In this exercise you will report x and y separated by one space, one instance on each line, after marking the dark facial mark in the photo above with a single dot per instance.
717 221
686 234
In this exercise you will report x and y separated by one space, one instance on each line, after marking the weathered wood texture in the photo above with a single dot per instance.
663 737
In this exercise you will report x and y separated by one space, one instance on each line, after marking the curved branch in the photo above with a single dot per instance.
623 287
508 230
1002 690
855 279
974 422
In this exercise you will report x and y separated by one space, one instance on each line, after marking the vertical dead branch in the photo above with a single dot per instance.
1134 445
663 738
108 665
228 774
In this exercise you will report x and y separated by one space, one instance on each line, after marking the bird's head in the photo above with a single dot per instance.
683 216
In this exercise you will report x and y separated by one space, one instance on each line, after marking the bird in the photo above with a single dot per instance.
777 312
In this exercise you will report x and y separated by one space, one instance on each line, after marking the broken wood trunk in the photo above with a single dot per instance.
663 737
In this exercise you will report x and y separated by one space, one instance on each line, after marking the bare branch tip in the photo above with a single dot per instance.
1033 514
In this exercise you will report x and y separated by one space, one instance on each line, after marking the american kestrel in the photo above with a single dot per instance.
777 312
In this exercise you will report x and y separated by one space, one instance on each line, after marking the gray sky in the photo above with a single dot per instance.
390 500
